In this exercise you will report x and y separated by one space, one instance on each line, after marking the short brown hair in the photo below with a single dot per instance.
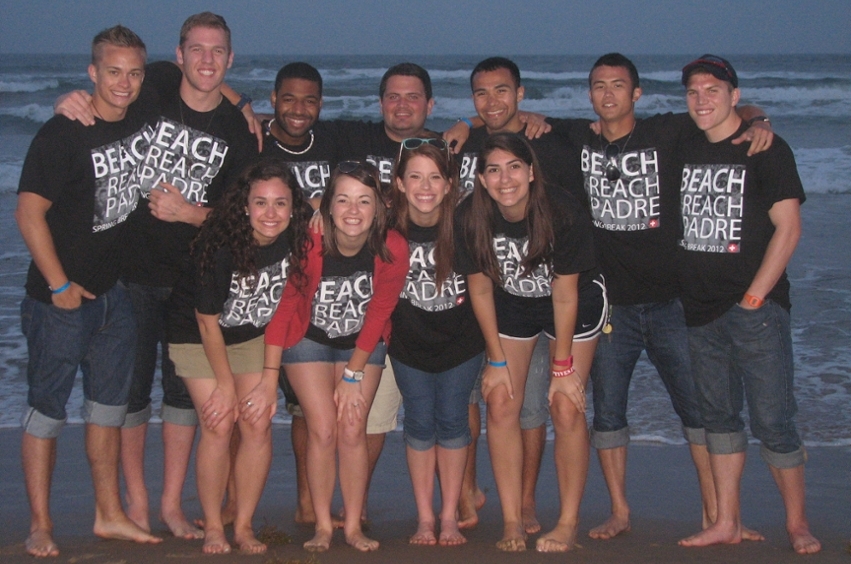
204 19
119 36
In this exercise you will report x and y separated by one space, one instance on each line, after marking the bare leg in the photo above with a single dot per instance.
450 465
505 443
212 467
422 465
133 468
177 450
572 451
102 449
472 498
727 476
38 457
250 469
613 464
229 509
374 446
533 451
298 435
790 482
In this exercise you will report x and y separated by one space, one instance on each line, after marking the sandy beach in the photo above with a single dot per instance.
662 488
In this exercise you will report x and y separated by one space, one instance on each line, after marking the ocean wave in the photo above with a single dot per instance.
34 112
825 170
12 86
10 174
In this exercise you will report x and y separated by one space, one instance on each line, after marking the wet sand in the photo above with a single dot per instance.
662 490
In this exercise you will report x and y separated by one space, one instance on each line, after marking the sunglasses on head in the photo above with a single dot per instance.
715 62
412 143
348 167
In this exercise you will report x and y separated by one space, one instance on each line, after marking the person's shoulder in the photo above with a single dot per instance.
396 240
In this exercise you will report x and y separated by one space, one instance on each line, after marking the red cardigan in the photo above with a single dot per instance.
290 322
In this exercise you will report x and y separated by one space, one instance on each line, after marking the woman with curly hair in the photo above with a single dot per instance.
532 268
251 243
332 328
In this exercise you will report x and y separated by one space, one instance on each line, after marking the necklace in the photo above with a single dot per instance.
281 146
212 115
95 109
612 151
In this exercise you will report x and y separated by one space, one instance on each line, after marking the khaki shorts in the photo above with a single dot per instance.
190 360
383 416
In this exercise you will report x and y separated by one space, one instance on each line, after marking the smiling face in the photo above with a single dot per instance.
353 209
204 57
269 209
297 104
612 94
117 76
424 187
405 107
497 97
506 178
712 105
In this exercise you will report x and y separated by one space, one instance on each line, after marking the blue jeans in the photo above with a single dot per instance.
307 350
748 353
149 307
436 404
98 338
660 329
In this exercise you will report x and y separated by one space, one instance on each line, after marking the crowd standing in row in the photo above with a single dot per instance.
509 269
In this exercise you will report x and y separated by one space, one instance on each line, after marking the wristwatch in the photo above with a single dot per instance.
352 376
755 119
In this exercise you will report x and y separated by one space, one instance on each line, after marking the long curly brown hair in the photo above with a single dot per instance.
228 224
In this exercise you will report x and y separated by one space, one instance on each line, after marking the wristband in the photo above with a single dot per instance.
755 119
499 364
467 121
348 380
271 368
563 373
244 100
568 362
750 299
61 288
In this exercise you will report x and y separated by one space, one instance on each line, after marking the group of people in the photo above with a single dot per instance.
511 260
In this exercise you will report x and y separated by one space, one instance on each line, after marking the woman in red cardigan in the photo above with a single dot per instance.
331 331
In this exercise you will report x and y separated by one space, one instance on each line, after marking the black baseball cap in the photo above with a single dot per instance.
718 67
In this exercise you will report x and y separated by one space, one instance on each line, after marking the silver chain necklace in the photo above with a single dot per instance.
284 149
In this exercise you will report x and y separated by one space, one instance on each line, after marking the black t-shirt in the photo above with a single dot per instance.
726 197
244 308
433 329
200 153
552 153
89 175
367 140
636 218
339 306
312 162
573 251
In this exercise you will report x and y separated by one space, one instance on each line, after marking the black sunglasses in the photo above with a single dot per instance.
348 167
612 171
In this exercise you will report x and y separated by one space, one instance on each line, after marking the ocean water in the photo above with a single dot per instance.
808 98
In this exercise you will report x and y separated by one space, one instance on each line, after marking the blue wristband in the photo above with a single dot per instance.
61 288
467 121
349 380
498 364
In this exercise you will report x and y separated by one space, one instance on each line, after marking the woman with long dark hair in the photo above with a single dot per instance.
249 245
334 325
532 269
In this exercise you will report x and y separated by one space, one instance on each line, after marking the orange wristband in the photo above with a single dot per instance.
754 301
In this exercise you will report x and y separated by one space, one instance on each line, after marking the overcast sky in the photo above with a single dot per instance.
509 27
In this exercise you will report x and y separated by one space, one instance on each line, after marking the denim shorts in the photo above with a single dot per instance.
307 350
149 308
98 338
748 353
660 330
436 404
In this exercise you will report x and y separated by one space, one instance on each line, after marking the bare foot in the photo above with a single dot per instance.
308 517
215 542
123 529
803 541
450 535
359 541
40 544
320 542
424 534
468 507
513 538
138 513
180 527
560 539
716 534
228 516
247 542
530 520
751 535
613 526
